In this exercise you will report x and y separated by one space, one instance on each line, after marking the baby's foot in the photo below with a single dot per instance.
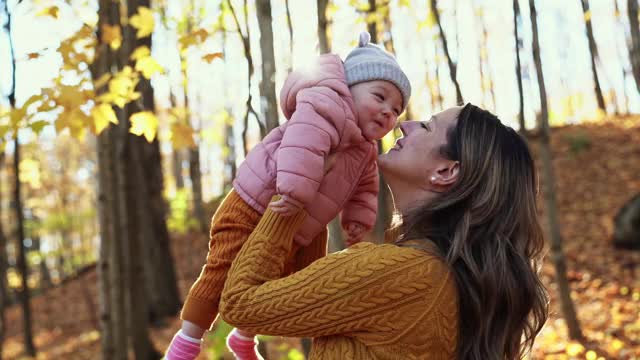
243 347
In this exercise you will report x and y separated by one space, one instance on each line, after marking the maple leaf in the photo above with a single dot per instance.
148 66
103 115
144 123
37 126
210 57
140 52
182 136
112 35
143 21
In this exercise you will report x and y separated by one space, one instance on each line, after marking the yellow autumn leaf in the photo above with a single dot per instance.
140 52
210 57
112 35
182 136
148 66
144 123
29 170
102 81
50 11
103 114
33 55
574 349
122 88
428 22
37 126
143 21
617 345
591 355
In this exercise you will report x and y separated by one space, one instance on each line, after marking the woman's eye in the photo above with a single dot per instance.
425 126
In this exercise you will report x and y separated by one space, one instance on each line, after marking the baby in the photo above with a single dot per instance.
322 160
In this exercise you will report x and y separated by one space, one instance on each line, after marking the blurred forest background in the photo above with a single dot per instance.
122 123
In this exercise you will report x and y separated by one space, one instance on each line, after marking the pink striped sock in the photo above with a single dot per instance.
183 347
244 348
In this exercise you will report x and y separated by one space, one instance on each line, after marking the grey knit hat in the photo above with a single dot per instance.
370 62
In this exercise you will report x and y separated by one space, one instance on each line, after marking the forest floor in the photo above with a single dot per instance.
597 168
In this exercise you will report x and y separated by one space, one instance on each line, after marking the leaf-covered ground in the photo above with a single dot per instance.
597 169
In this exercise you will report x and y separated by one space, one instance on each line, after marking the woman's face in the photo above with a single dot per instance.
415 162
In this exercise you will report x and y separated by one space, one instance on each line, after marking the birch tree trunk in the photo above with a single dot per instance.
557 254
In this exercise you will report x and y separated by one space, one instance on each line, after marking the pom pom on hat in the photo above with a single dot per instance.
369 62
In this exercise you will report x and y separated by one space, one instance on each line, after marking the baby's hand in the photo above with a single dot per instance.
355 233
285 206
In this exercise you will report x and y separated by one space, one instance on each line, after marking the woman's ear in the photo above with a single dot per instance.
446 174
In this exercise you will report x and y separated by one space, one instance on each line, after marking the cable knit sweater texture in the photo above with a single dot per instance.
366 302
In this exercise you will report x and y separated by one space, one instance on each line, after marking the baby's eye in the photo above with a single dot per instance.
380 97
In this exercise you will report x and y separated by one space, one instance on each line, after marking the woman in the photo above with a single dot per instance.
460 279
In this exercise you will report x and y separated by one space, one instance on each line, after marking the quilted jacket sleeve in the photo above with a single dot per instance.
313 131
363 204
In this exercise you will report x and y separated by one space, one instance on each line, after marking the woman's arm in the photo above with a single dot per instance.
363 288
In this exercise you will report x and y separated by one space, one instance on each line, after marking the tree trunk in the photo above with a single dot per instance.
45 275
621 53
593 52
557 253
230 158
23 293
485 61
116 253
4 265
176 167
148 250
105 202
634 48
290 29
452 66
196 184
268 100
516 15
336 238
230 142
372 25
246 47
323 37
111 341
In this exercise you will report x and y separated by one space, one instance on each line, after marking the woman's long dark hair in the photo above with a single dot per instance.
487 227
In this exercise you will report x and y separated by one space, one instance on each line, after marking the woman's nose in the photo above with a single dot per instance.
407 126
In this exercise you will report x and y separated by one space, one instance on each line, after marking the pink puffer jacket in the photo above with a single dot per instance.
290 159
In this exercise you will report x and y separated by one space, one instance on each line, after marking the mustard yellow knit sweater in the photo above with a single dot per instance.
366 302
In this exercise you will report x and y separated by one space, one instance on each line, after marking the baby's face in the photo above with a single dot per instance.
378 104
